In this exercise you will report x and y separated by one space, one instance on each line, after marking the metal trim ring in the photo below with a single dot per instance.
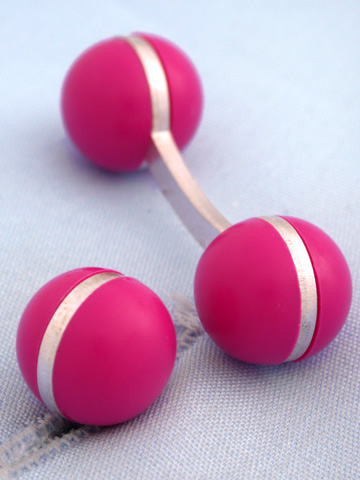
55 331
307 283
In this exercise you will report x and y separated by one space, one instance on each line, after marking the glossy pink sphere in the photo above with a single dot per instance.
248 297
115 355
106 105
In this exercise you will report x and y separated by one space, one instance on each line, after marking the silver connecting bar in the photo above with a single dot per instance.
198 214
165 162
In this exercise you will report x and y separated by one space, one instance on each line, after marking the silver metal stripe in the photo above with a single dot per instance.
166 165
55 330
307 283
156 77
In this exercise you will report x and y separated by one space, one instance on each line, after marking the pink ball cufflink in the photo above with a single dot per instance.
106 104
267 290
95 346
272 289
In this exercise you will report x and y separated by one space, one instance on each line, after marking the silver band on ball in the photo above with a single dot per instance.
55 330
307 283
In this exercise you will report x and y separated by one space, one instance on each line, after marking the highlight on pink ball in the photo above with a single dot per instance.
106 105
95 346
272 289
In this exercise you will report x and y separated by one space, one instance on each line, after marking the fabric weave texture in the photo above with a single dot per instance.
279 135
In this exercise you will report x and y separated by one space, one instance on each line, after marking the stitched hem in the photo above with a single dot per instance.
35 442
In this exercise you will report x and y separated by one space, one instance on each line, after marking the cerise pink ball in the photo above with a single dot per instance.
106 104
248 296
96 346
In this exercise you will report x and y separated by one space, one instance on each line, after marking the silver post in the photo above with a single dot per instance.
165 162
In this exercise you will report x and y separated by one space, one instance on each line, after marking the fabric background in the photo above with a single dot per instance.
280 135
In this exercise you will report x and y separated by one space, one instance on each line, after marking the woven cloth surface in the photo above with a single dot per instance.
279 135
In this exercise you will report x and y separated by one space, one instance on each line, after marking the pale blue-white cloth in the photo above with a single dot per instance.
280 135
